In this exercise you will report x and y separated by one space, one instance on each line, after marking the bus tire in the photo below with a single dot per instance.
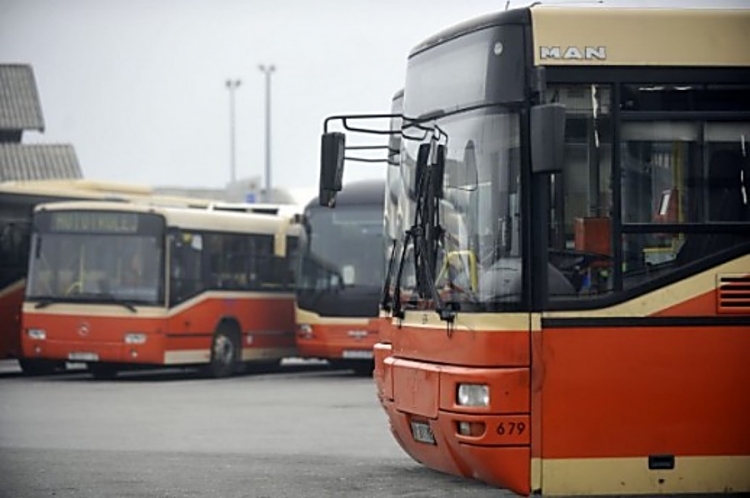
101 371
31 367
225 353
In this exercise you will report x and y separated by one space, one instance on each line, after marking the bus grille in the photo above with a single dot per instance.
733 293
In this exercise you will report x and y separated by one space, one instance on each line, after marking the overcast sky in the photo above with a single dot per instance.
138 86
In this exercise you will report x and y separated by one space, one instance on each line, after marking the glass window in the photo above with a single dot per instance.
686 172
226 261
15 228
287 266
477 68
96 267
479 259
343 248
97 256
580 231
681 181
186 266
685 97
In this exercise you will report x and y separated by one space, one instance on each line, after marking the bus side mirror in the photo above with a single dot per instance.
547 138
332 146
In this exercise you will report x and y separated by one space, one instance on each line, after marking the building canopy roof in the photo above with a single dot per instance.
20 108
19 162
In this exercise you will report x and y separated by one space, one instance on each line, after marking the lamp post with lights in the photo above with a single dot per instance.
232 86
268 70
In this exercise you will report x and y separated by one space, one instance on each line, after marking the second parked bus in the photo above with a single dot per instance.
116 285
342 257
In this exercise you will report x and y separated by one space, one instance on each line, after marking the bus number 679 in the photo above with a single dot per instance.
511 428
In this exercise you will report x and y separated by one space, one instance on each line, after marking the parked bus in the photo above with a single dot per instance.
121 285
17 202
582 325
340 276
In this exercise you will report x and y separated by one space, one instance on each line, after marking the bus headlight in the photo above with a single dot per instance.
135 338
305 331
473 395
38 334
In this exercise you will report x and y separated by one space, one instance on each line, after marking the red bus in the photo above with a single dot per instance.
123 285
339 278
549 330
17 201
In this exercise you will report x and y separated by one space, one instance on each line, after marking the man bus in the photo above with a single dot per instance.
118 285
583 324
340 276
17 201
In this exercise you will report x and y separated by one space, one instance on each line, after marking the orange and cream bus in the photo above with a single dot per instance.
340 276
570 313
17 201
119 285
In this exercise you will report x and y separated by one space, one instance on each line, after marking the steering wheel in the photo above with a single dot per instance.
575 264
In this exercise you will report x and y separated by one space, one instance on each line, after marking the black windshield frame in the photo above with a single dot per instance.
97 256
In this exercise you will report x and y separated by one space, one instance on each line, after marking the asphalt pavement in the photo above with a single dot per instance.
302 431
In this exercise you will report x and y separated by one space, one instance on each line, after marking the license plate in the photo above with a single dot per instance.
358 354
79 356
422 432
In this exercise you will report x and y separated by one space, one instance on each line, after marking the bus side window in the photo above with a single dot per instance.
186 266
726 202
288 265
14 251
265 260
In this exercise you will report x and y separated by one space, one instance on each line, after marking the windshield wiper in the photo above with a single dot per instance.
46 301
425 236
111 299
386 301
87 298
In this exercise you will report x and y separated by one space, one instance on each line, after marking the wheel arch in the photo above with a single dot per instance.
230 325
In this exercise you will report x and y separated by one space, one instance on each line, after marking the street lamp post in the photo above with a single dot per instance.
232 85
267 71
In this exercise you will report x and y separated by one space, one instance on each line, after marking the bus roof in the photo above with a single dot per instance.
78 185
96 190
622 36
184 217
357 193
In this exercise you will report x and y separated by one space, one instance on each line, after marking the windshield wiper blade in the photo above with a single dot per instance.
85 298
386 300
110 299
126 305
46 301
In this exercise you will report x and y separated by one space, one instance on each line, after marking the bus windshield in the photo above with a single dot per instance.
97 256
480 260
344 249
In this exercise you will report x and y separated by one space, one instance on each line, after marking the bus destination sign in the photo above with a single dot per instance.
94 222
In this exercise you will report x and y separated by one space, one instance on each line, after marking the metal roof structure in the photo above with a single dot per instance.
21 162
20 107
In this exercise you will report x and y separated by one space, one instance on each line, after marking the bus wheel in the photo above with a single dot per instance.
102 371
37 367
224 354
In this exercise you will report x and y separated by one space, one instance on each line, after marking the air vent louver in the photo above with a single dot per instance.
733 294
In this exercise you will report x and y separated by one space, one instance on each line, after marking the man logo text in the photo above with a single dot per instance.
573 53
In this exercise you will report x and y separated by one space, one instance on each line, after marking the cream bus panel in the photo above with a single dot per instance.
640 37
